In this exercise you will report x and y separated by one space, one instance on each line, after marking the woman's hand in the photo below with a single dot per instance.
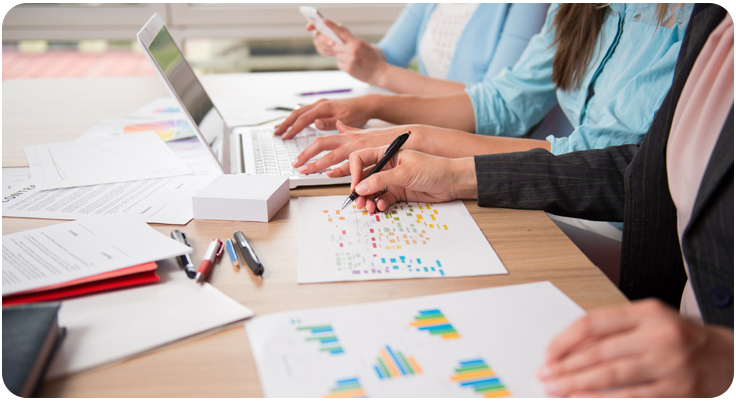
426 139
410 176
645 349
341 146
324 114
357 57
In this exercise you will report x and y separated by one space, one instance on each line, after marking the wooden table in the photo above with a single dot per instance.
53 110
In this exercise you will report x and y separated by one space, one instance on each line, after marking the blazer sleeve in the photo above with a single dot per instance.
586 184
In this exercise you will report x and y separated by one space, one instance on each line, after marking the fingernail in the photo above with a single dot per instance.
302 169
544 372
362 187
293 164
551 388
319 124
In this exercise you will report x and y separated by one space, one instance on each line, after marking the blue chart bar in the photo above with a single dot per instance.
485 382
401 368
325 336
477 362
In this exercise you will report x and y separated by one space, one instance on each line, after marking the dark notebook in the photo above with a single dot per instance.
30 336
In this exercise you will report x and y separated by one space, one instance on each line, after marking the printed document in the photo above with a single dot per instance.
479 343
409 240
69 251
108 160
161 200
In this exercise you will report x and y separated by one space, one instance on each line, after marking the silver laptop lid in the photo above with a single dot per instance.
183 85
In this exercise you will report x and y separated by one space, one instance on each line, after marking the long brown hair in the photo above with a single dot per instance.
576 31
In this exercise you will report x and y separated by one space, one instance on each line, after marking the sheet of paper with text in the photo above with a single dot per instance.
480 343
409 240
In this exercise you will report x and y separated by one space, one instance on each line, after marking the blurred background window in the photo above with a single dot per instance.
98 39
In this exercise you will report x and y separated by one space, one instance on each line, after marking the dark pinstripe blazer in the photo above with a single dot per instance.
629 183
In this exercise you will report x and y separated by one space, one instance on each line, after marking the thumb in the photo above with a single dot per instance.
342 32
383 179
325 124
344 128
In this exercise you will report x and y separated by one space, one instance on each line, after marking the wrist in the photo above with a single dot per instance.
464 184
381 75
375 105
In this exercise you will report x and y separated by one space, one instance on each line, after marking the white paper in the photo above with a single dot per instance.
509 328
190 150
242 112
107 327
410 240
101 161
162 200
69 251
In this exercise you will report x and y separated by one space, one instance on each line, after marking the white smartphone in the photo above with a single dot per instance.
312 15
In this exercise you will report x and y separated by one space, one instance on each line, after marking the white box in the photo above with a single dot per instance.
241 197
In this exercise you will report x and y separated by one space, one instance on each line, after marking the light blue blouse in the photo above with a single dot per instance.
493 39
629 75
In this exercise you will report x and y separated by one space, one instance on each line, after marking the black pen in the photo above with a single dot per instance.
390 152
247 253
184 260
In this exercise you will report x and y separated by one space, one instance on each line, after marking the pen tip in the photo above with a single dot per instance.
347 202
198 277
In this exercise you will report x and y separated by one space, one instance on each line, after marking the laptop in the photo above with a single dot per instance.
240 150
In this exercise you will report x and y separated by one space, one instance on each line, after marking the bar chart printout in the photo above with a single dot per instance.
408 240
392 363
346 388
434 322
325 336
476 374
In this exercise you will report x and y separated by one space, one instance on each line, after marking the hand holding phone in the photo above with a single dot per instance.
313 15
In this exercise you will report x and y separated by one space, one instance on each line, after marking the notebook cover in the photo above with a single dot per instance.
30 334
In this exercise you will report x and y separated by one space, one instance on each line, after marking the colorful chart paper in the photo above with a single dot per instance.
392 363
167 130
346 388
476 374
409 240
324 336
502 336
434 322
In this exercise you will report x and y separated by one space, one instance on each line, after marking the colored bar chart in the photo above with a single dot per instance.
476 374
325 336
167 130
435 323
392 363
347 388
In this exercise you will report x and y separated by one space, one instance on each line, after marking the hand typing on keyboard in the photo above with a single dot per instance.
329 151
273 155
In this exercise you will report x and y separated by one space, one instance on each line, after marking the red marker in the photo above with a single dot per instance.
214 251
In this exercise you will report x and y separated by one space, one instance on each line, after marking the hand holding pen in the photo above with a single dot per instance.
410 176
387 155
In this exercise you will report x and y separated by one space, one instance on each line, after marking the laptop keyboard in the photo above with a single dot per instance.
273 155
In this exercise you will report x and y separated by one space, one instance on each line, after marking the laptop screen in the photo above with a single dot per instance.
190 91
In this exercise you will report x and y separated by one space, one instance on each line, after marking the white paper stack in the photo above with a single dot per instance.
241 197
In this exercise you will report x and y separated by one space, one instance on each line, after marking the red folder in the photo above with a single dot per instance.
129 276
